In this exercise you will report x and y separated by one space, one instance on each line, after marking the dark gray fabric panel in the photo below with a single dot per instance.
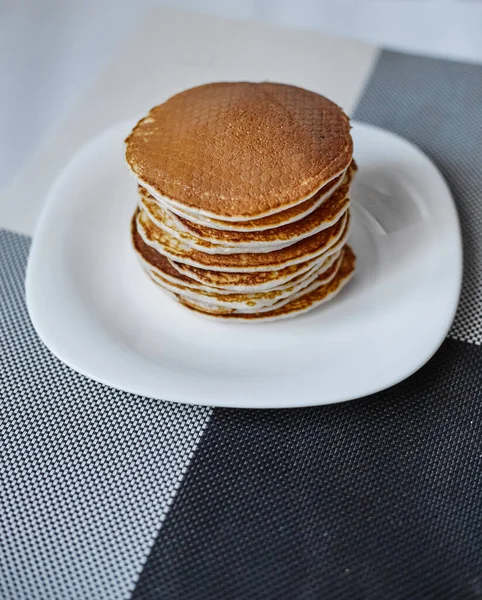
437 105
376 498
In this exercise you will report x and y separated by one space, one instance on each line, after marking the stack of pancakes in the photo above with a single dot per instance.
243 206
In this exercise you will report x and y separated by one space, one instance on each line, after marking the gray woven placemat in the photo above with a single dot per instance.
377 498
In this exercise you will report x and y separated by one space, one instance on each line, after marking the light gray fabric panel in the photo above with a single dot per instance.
87 473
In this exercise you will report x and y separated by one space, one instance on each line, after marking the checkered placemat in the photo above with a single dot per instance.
107 495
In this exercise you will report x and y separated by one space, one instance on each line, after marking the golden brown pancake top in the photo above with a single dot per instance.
240 149
278 219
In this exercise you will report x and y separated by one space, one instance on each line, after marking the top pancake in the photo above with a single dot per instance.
238 151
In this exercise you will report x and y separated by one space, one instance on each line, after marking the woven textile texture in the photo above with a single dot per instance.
87 473
376 498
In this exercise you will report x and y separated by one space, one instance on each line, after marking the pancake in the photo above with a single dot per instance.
302 251
238 151
155 263
249 282
215 241
254 302
195 285
165 220
214 308
244 194
304 302
224 283
260 224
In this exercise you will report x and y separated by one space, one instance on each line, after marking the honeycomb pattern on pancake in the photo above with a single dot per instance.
327 213
240 149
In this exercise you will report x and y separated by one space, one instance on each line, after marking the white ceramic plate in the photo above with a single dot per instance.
94 307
